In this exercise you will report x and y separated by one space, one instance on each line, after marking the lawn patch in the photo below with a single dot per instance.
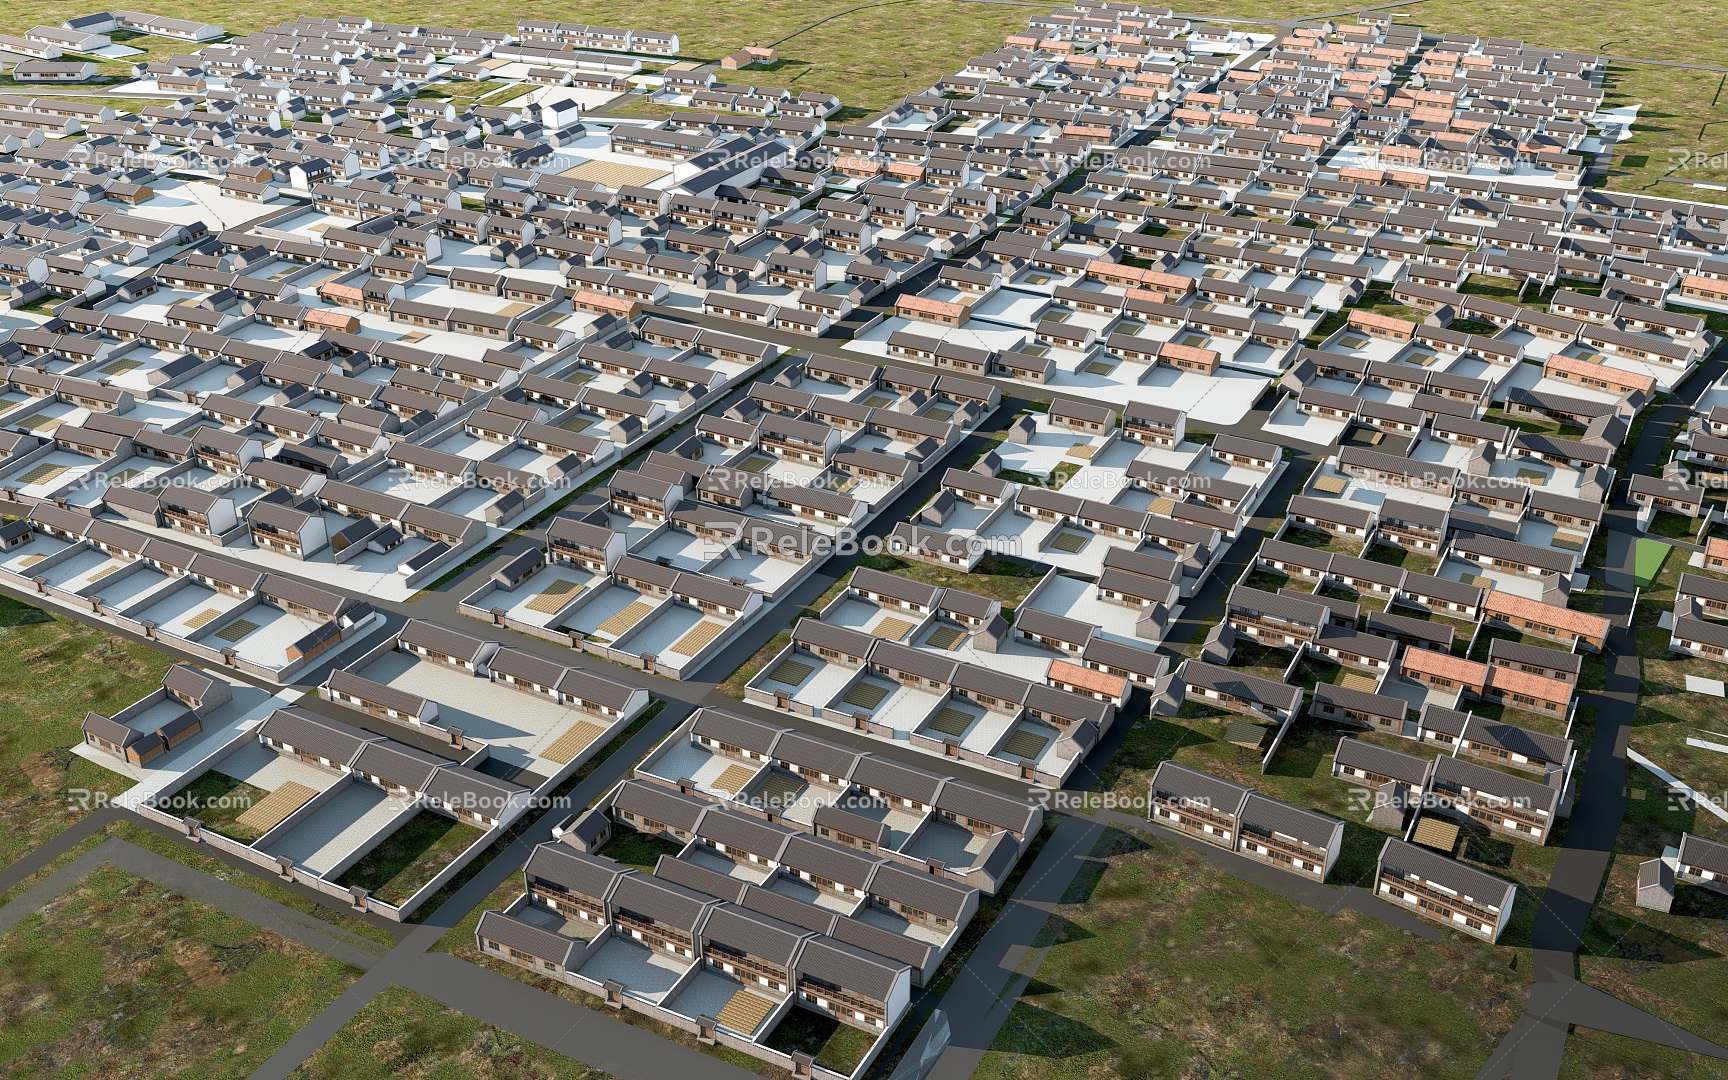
119 976
1650 555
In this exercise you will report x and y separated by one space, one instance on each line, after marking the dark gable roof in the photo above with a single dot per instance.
897 587
1407 768
735 730
786 909
577 871
342 681
757 935
661 901
700 878
465 788
1347 697
982 804
1519 652
847 823
1230 681
809 752
516 934
742 833
837 964
527 667
314 734
1266 815
1465 773
653 801
1180 782
815 632
1705 854
1450 873
442 639
882 774
397 763
923 891
1708 588
838 864
906 950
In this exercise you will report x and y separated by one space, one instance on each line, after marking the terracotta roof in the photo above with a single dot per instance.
1382 322
1512 681
1573 365
930 307
1499 602
1445 666
1190 353
1085 678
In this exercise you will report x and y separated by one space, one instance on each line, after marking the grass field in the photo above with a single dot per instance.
1649 555
218 800
1159 965
869 57
54 670
401 1034
1672 964
119 977
411 856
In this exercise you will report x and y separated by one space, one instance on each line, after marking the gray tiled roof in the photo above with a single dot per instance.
1396 764
398 763
1263 814
850 968
661 804
699 878
442 639
831 861
661 901
787 909
314 734
926 892
735 730
587 875
907 950
516 934
755 934
1450 873
1705 854
807 752
883 774
743 833
1450 772
1180 782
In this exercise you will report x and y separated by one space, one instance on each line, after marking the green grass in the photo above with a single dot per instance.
401 1033
870 57
217 800
834 1045
1650 555
186 854
54 670
120 977
411 856
1671 964
1391 555
1322 541
639 849
1158 962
